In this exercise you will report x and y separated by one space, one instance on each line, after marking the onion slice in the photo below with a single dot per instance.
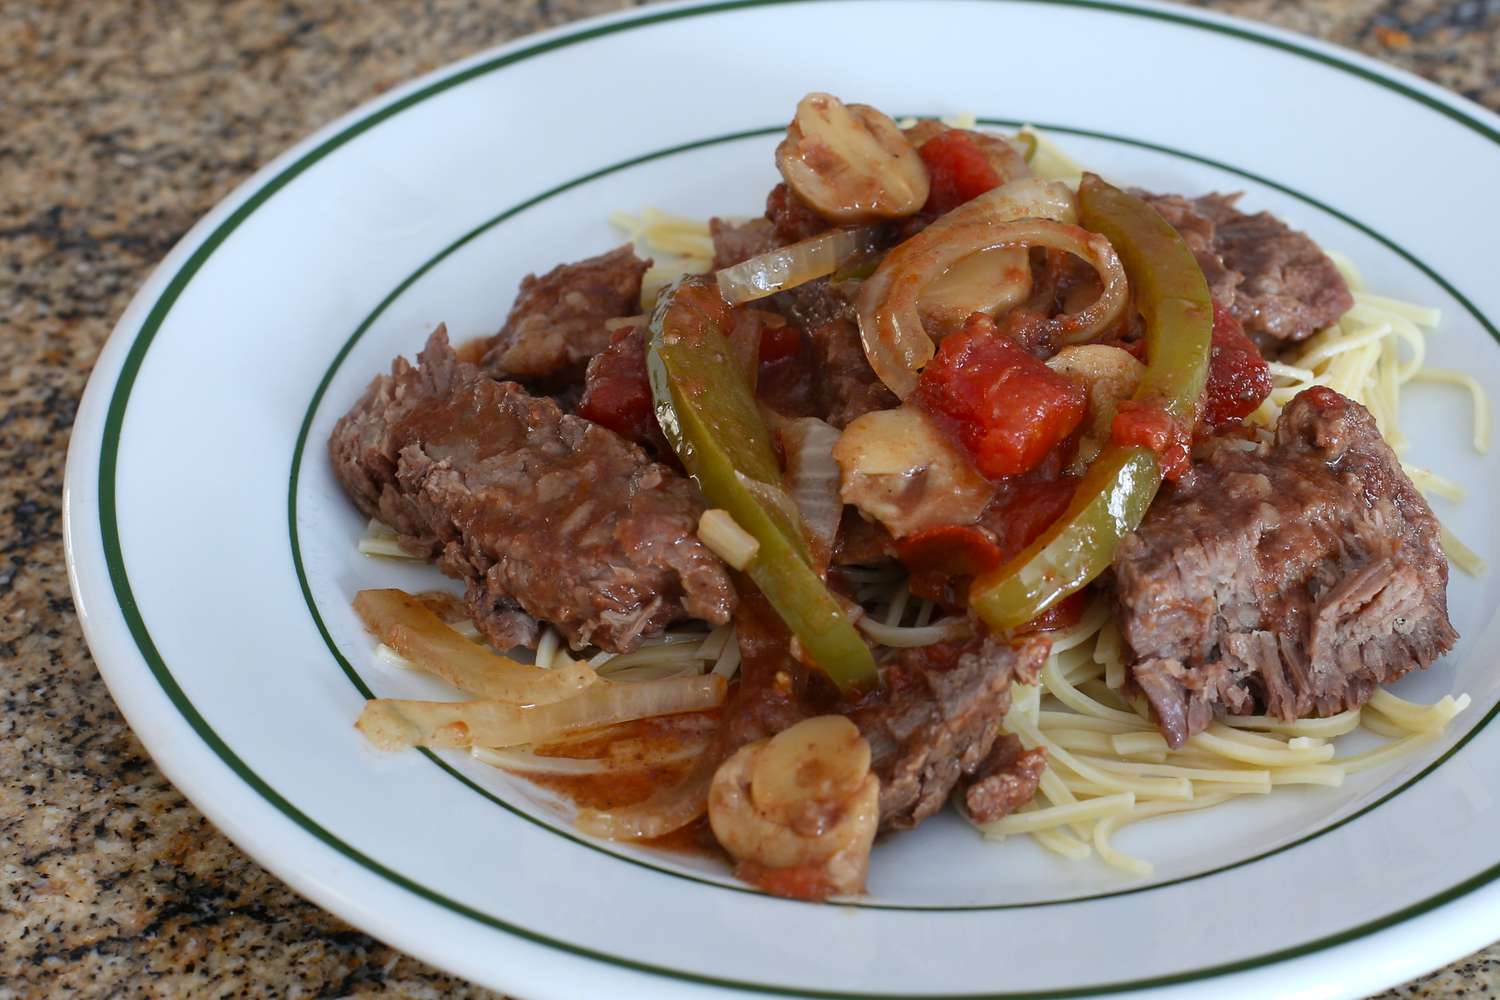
666 810
812 478
1023 213
790 266
408 625
395 724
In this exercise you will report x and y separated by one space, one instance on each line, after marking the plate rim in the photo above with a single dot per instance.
153 302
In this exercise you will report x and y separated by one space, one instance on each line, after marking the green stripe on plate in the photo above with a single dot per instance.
135 356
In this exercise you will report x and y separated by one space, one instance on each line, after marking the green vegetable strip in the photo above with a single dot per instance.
1110 502
709 415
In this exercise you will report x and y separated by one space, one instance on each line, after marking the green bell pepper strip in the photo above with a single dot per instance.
709 415
1112 498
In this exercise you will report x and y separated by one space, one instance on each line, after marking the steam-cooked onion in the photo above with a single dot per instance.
790 266
395 724
666 810
408 626
813 479
1023 213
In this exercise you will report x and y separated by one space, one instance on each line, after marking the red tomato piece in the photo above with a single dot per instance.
1150 426
952 550
1002 403
617 391
1029 510
777 343
1238 378
957 169
1064 614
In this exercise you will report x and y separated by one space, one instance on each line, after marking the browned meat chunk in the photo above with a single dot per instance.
544 515
737 242
1290 579
1197 231
557 323
847 386
1005 781
1284 288
937 717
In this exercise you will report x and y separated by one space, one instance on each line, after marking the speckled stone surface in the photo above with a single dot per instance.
120 124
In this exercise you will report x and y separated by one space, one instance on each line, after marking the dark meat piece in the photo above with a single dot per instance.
1290 579
934 720
557 323
793 218
1287 287
1197 231
862 543
847 386
736 242
937 717
544 515
1005 781
617 392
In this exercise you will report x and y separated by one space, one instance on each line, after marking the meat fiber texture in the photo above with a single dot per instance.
1276 281
937 720
544 516
558 321
1290 578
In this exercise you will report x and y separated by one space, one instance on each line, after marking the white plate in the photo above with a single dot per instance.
213 556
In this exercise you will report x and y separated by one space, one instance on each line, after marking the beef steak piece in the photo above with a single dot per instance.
557 322
1276 281
846 387
1289 578
933 721
542 514
937 717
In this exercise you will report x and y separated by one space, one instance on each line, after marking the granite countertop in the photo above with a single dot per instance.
120 124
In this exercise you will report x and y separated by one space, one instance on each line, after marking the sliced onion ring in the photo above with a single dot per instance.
667 809
1024 213
790 266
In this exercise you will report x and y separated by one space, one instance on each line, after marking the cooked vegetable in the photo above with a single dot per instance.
823 759
812 478
1006 406
850 162
902 471
1020 214
667 809
409 627
729 541
808 838
711 419
797 264
988 283
1110 374
1110 501
396 724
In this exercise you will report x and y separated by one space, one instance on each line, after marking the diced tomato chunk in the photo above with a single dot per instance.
1001 402
1019 519
1064 614
1149 426
1238 378
617 391
952 550
777 343
958 170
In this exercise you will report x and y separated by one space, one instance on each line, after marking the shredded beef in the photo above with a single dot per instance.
557 322
933 721
1004 781
937 717
544 515
1291 578
735 242
1277 281
847 387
